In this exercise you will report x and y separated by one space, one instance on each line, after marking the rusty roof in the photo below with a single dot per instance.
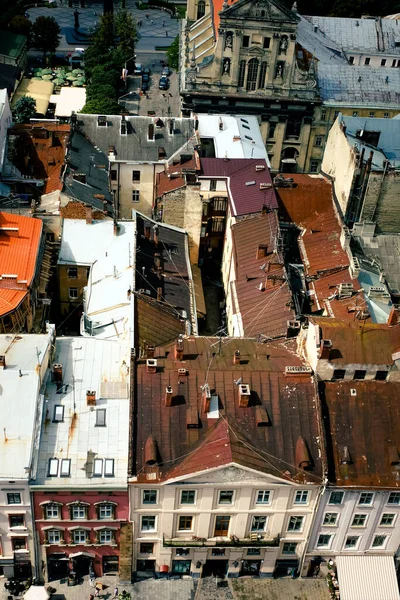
156 323
286 405
19 248
172 178
39 151
359 342
364 417
264 311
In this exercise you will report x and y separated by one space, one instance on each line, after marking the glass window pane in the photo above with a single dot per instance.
109 467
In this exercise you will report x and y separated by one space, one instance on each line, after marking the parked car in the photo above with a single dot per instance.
138 69
145 77
164 83
145 86
146 71
166 71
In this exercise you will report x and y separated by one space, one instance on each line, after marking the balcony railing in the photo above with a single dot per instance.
221 542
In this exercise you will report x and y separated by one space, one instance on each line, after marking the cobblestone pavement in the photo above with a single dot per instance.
279 589
208 589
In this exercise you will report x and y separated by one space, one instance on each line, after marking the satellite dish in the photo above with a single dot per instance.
238 382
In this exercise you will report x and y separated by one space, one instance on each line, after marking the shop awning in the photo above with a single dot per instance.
367 578
289 161
39 90
76 554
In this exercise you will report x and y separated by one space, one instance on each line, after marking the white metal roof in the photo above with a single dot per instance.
367 578
223 129
20 403
103 367
68 100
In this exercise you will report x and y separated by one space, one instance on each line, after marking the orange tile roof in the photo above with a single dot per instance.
166 183
217 7
18 256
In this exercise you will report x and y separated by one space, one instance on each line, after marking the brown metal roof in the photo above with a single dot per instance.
263 311
364 418
173 179
156 323
289 403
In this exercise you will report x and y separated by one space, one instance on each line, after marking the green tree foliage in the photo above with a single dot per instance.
101 106
46 34
24 109
125 31
173 53
22 25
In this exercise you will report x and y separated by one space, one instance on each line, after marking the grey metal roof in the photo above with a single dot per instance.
360 35
135 145
349 85
319 45
388 143
385 249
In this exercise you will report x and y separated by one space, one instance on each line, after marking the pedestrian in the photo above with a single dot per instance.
166 34
97 593
163 23
151 21
91 597
115 594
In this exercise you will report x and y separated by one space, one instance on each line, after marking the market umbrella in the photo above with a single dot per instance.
76 71
37 79
47 72
71 77
59 81
47 77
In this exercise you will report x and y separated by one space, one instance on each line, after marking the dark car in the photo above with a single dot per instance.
164 83
145 86
145 77
146 71
166 72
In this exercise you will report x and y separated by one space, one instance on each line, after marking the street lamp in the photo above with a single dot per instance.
124 95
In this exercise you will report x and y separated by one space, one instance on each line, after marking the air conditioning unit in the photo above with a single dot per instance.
346 290
376 290
260 167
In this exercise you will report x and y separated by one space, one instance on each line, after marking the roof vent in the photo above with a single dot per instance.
168 396
183 372
250 183
236 138
345 290
220 124
260 167
150 451
244 395
394 456
236 357
265 186
102 121
90 398
262 418
345 459
303 457
353 392
2 361
151 365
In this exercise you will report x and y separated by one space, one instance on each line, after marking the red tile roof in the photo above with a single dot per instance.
216 9
364 416
289 403
263 312
172 179
18 256
244 199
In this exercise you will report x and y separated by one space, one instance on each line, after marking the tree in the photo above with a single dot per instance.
125 30
24 109
22 25
101 106
46 34
173 54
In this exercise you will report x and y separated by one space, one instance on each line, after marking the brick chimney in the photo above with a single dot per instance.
244 395
150 351
325 349
159 294
168 396
206 398
89 215
151 365
57 373
90 398
262 251
179 348
236 357
2 361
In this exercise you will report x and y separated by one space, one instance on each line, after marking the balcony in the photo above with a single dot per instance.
221 542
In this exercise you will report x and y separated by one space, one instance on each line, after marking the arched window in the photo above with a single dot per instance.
242 72
252 75
263 72
201 9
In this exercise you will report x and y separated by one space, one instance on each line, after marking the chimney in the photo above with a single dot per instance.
262 251
115 228
150 451
147 232
90 398
393 317
57 373
206 398
179 348
262 418
325 349
303 458
157 259
2 361
244 395
150 351
89 215
155 236
168 396
264 209
151 365
159 294
345 459
236 357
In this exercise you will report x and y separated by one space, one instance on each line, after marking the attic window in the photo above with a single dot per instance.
109 467
65 470
53 467
58 414
161 152
213 413
98 467
150 132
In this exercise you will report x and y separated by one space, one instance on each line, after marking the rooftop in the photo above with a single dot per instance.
11 44
379 135
86 176
371 412
38 151
170 136
244 182
69 100
38 89
276 432
262 311
317 44
173 177
234 137
20 239
349 85
20 408
84 441
383 253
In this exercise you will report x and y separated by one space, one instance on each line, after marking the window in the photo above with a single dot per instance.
387 520
367 61
323 115
225 497
266 42
371 114
394 62
53 467
149 496
113 175
359 521
258 523
253 552
218 552
252 73
182 552
336 498
351 541
65 470
78 512
106 511
54 536
366 498
73 293
58 413
188 497
318 140
324 540
271 131
330 519
185 523
263 73
213 185
79 536
385 116
106 536
245 41
109 467
98 467
394 498
18 544
181 566
148 523
16 520
295 523
379 541
242 73
201 9
52 511
221 526
351 60
135 175
218 224
355 113
219 204
72 273
335 114
15 498
381 375
263 497
301 497
314 166
289 548
100 417
145 548
339 374
383 62
135 195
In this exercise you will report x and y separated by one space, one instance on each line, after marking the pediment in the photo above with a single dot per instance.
259 9
233 474
255 51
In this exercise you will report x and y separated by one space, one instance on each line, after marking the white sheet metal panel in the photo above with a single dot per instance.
367 578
